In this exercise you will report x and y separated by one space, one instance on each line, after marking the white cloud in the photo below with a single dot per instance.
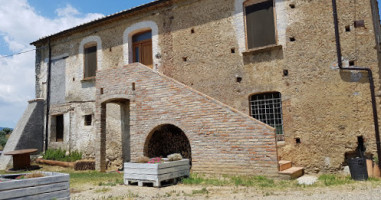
67 11
20 24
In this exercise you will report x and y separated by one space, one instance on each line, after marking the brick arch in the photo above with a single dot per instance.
115 97
166 139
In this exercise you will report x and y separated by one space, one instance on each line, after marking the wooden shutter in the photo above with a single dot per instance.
146 53
90 62
260 24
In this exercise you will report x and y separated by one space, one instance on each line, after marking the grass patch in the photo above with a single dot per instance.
263 182
331 179
202 191
258 181
198 179
115 182
96 178
60 155
102 190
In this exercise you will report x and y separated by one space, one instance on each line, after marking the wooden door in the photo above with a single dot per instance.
143 52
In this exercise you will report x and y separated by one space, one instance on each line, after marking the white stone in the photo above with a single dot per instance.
307 180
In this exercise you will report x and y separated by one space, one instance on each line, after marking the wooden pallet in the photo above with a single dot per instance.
155 173
156 184
52 186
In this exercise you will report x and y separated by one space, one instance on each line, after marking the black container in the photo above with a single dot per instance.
357 167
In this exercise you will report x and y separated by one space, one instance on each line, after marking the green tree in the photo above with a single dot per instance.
7 131
3 136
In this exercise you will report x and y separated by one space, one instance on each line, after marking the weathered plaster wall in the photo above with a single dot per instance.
327 109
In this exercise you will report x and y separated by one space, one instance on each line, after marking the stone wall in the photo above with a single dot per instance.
222 139
322 105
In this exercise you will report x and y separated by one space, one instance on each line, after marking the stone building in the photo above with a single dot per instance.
234 85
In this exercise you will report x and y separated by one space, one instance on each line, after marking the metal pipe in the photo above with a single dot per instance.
370 77
337 35
48 96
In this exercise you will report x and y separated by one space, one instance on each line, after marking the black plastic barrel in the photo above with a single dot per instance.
357 167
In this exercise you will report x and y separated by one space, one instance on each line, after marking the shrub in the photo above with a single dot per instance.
60 155
3 136
3 141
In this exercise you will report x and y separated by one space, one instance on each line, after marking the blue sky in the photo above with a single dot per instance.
25 21
48 9
106 7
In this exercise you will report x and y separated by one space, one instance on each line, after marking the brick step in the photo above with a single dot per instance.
284 164
292 173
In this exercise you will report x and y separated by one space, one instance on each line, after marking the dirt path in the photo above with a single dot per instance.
360 190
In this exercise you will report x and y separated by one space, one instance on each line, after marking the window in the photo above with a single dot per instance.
59 128
260 23
142 48
267 108
90 61
88 120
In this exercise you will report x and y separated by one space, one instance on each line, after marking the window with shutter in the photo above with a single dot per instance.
90 62
260 23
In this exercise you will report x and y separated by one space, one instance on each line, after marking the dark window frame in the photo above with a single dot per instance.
88 120
59 128
85 66
249 3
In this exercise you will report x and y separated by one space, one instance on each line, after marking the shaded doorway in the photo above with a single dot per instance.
115 134
167 139
142 48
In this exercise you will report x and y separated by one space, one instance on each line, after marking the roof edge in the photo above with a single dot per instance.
105 18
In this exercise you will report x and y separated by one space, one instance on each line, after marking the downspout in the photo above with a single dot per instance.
370 77
48 96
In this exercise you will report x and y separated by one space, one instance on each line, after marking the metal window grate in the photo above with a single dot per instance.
267 108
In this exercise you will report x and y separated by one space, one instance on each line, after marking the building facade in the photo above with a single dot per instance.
251 82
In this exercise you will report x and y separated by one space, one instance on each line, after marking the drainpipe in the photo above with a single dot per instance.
370 77
48 96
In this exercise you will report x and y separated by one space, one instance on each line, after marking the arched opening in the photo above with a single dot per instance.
115 136
167 139
128 44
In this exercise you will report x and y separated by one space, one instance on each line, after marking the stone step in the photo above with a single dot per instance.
292 173
284 164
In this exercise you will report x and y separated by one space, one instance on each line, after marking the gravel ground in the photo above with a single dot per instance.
359 190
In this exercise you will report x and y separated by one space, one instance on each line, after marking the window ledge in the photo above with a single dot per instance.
262 49
88 79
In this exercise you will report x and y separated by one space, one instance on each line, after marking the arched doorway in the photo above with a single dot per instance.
115 133
167 139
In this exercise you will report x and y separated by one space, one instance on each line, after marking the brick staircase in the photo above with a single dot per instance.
223 139
287 171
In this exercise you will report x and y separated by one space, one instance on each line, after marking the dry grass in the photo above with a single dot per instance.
34 175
